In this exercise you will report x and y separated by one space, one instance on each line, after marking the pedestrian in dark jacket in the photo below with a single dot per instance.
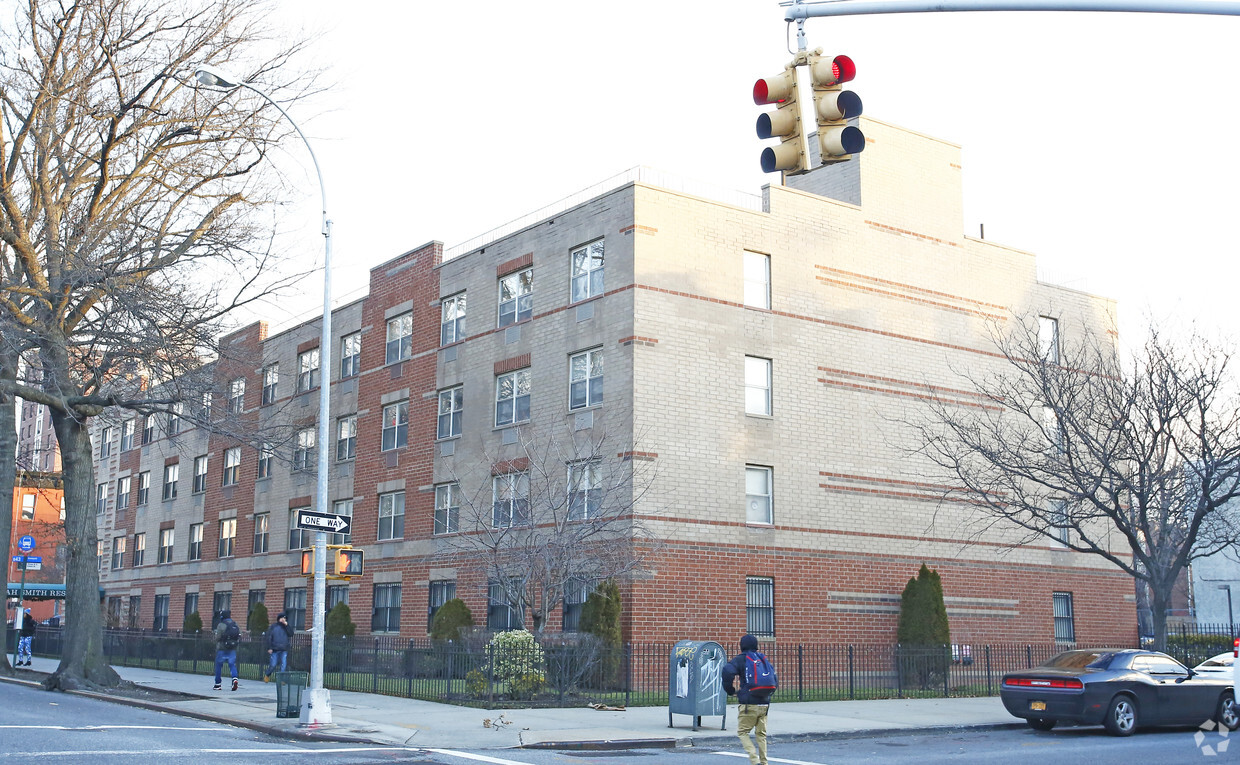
752 709
227 634
279 638
24 637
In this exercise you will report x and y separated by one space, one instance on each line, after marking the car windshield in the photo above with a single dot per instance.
1217 661
1081 660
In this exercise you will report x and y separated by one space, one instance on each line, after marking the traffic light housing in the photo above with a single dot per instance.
834 106
348 562
792 154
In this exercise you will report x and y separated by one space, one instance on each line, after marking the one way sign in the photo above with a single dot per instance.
329 522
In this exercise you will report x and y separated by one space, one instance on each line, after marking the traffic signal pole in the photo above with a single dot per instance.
798 11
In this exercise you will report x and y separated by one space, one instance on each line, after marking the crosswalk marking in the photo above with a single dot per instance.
191 752
478 757
770 759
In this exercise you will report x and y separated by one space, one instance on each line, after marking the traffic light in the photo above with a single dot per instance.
791 155
348 563
307 562
834 106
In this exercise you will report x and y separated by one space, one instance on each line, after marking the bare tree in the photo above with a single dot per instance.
128 215
556 511
1133 461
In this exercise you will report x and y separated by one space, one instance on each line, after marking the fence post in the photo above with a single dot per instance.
947 674
899 674
800 673
491 674
374 668
628 673
851 678
990 691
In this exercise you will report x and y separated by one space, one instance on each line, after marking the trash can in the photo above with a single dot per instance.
289 686
693 682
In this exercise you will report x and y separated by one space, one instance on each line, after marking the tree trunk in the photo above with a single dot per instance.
8 474
82 664
1158 615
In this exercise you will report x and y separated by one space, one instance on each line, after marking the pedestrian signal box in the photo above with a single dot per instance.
348 563
307 562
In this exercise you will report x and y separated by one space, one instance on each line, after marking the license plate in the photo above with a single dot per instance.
1037 706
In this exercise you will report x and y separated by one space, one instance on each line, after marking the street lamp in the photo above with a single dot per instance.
316 707
1230 619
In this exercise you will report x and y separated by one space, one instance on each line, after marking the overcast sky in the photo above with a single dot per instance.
1104 143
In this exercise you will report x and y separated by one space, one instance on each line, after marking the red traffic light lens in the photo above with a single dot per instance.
843 69
761 92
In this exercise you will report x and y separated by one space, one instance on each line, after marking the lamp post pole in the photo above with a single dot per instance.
316 703
1231 620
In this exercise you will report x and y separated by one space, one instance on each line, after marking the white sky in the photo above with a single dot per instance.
1104 143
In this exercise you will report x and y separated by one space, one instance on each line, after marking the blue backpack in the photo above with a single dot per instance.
760 677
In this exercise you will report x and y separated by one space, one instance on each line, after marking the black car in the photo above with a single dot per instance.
1120 688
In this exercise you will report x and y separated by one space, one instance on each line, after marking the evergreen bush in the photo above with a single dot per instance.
450 619
192 623
257 621
600 616
340 622
923 635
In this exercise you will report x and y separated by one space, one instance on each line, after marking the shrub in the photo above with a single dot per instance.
600 617
450 619
192 624
518 661
340 622
923 633
476 683
257 621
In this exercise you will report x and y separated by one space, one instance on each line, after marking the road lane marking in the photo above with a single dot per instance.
189 752
770 759
478 757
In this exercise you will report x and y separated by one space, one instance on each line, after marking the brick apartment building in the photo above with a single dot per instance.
38 512
758 354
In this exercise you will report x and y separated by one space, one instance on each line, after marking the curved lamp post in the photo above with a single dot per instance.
316 705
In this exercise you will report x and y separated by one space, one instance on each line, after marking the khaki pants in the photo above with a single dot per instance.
752 717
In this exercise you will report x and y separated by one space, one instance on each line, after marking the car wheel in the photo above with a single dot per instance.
1121 719
1227 715
1041 723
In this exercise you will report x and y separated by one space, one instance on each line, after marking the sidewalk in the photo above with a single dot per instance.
393 721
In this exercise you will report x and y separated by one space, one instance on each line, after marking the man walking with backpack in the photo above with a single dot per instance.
751 677
227 636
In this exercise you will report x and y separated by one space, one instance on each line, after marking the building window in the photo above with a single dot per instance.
308 370
261 527
228 537
757 275
447 508
392 515
172 474
232 466
105 442
253 598
387 608
351 355
1048 339
271 379
588 271
236 395
148 429
502 615
161 613
440 592
451 406
122 492
295 607
297 538
222 602
28 501
585 490
1065 630
144 488
139 549
303 450
174 419
1059 522
452 319
265 456
337 593
165 545
760 606
516 297
399 338
346 438
512 398
195 541
511 500
99 554
118 552
127 435
101 498
342 507
200 475
758 504
575 593
191 605
395 426
585 379
135 607
757 385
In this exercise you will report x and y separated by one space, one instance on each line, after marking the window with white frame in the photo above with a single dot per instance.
232 466
386 608
392 515
758 504
148 429
351 355
510 500
139 549
195 541
585 490
1048 339
307 370
451 406
228 537
399 338
199 484
1060 524
161 613
271 382
502 613
587 273
174 419
757 385
262 530
166 540
105 442
122 493
343 508
101 498
266 456
1053 428
452 319
346 438
395 426
204 408
144 487
28 501
236 395
1065 628
512 398
447 508
516 297
127 428
757 276
760 606
118 552
303 449
297 537
100 555
585 379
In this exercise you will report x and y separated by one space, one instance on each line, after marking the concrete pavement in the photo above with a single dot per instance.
390 720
